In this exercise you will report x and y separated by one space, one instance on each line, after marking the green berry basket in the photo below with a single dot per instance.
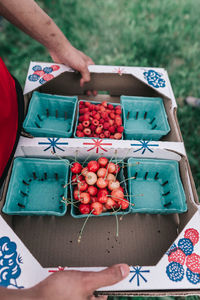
94 102
37 187
50 115
75 211
155 186
144 118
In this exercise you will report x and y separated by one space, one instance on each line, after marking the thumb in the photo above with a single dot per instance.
107 277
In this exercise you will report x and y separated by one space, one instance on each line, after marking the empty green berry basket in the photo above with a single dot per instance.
155 186
50 115
144 118
74 207
93 102
36 187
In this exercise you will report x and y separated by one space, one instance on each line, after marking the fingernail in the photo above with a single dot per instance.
124 270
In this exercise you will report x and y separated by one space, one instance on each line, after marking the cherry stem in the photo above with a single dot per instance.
108 167
127 179
121 199
58 156
81 232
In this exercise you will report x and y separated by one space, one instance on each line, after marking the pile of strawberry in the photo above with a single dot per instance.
96 187
99 120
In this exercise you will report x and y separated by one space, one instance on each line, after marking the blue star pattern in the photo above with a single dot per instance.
9 263
154 79
144 145
137 271
53 144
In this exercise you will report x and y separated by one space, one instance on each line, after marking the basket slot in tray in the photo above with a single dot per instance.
36 187
156 186
50 115
144 118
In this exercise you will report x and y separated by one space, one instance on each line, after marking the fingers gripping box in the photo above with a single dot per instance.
46 244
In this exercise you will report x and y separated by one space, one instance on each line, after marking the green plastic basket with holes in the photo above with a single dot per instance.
50 115
155 186
144 118
94 102
74 208
36 187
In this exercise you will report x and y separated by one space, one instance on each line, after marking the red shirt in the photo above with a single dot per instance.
8 115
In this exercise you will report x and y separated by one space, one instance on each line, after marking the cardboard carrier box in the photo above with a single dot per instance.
157 235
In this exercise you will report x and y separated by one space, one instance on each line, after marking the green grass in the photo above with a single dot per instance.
133 33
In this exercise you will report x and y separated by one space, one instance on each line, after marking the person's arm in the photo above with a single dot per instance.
68 285
29 17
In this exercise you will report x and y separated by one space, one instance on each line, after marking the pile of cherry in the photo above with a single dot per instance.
96 188
101 120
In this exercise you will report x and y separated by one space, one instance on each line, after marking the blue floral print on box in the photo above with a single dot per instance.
154 79
9 263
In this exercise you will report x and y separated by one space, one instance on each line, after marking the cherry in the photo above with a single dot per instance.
76 168
91 178
102 199
118 111
84 209
76 178
76 194
85 198
92 190
103 161
93 166
113 185
110 176
110 204
123 203
84 171
82 186
117 169
97 207
117 194
102 183
102 172
93 199
111 167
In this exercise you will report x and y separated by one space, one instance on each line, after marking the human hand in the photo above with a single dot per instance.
75 59
78 285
